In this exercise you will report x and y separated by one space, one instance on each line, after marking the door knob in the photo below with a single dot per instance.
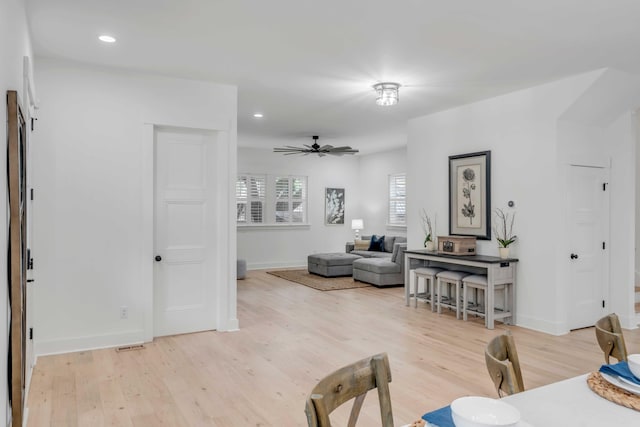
574 256
159 258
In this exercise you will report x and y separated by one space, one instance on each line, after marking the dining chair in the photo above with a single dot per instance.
610 338
351 382
503 365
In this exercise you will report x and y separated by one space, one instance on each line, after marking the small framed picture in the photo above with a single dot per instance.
334 206
470 195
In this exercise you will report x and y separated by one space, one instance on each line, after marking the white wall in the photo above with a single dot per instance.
94 185
620 142
520 130
15 44
374 189
284 246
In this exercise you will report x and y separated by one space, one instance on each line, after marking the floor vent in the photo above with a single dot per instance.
130 347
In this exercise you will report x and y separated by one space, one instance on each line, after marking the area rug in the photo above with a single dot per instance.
318 282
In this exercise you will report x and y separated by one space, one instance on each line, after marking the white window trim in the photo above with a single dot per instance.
278 226
389 200
270 202
249 199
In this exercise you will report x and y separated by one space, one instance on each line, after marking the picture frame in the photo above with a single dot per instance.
470 195
334 206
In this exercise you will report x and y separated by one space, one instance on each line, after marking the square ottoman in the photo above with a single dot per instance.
331 265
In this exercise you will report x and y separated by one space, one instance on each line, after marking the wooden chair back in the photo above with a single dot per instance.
610 338
503 365
351 382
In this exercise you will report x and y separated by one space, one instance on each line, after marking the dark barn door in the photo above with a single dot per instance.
17 253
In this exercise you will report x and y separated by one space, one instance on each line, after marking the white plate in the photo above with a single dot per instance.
482 411
619 383
520 424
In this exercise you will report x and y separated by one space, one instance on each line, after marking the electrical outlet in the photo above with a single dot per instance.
124 312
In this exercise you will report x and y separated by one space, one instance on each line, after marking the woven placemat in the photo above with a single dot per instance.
605 389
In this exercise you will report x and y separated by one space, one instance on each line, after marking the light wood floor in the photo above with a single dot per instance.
290 337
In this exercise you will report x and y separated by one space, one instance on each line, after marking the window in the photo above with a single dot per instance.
291 199
398 199
268 199
250 199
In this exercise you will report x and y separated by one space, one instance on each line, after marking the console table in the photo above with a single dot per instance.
498 270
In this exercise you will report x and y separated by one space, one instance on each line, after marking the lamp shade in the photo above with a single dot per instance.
357 224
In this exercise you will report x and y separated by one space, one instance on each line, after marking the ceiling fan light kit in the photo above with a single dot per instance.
315 149
386 93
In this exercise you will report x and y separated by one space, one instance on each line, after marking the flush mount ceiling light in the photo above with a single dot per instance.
258 115
315 149
386 93
107 39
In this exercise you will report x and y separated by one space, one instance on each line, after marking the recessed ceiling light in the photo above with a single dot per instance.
107 39
258 115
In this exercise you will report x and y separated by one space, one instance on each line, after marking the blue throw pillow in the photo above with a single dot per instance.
377 244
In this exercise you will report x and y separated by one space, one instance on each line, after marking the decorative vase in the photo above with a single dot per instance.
430 246
504 253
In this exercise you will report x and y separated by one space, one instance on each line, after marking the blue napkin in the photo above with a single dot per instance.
440 417
620 369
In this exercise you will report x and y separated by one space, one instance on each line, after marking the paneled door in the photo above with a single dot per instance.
589 224
185 258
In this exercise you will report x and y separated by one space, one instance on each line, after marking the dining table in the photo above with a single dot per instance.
569 403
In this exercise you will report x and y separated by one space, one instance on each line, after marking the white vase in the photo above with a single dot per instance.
504 253
430 246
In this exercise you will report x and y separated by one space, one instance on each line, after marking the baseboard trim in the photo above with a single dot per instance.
230 325
94 342
541 325
269 265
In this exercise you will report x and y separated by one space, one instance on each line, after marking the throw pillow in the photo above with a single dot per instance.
377 244
361 245
394 255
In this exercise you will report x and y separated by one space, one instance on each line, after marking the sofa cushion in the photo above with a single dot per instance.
376 265
396 249
332 259
377 244
388 243
361 245
372 254
402 247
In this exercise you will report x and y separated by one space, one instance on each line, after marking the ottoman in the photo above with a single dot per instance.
241 269
331 265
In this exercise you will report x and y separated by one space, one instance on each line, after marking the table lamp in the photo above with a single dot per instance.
357 225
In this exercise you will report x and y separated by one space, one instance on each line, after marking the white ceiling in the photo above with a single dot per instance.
309 65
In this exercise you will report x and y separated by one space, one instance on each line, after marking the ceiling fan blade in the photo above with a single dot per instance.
347 150
315 149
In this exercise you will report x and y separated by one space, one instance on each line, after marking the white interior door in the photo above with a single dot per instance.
588 204
184 297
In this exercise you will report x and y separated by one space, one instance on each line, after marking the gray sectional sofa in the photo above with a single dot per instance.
380 268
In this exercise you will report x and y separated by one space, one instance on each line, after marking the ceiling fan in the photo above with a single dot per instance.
315 149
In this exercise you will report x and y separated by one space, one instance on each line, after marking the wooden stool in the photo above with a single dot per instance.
479 282
450 278
428 274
